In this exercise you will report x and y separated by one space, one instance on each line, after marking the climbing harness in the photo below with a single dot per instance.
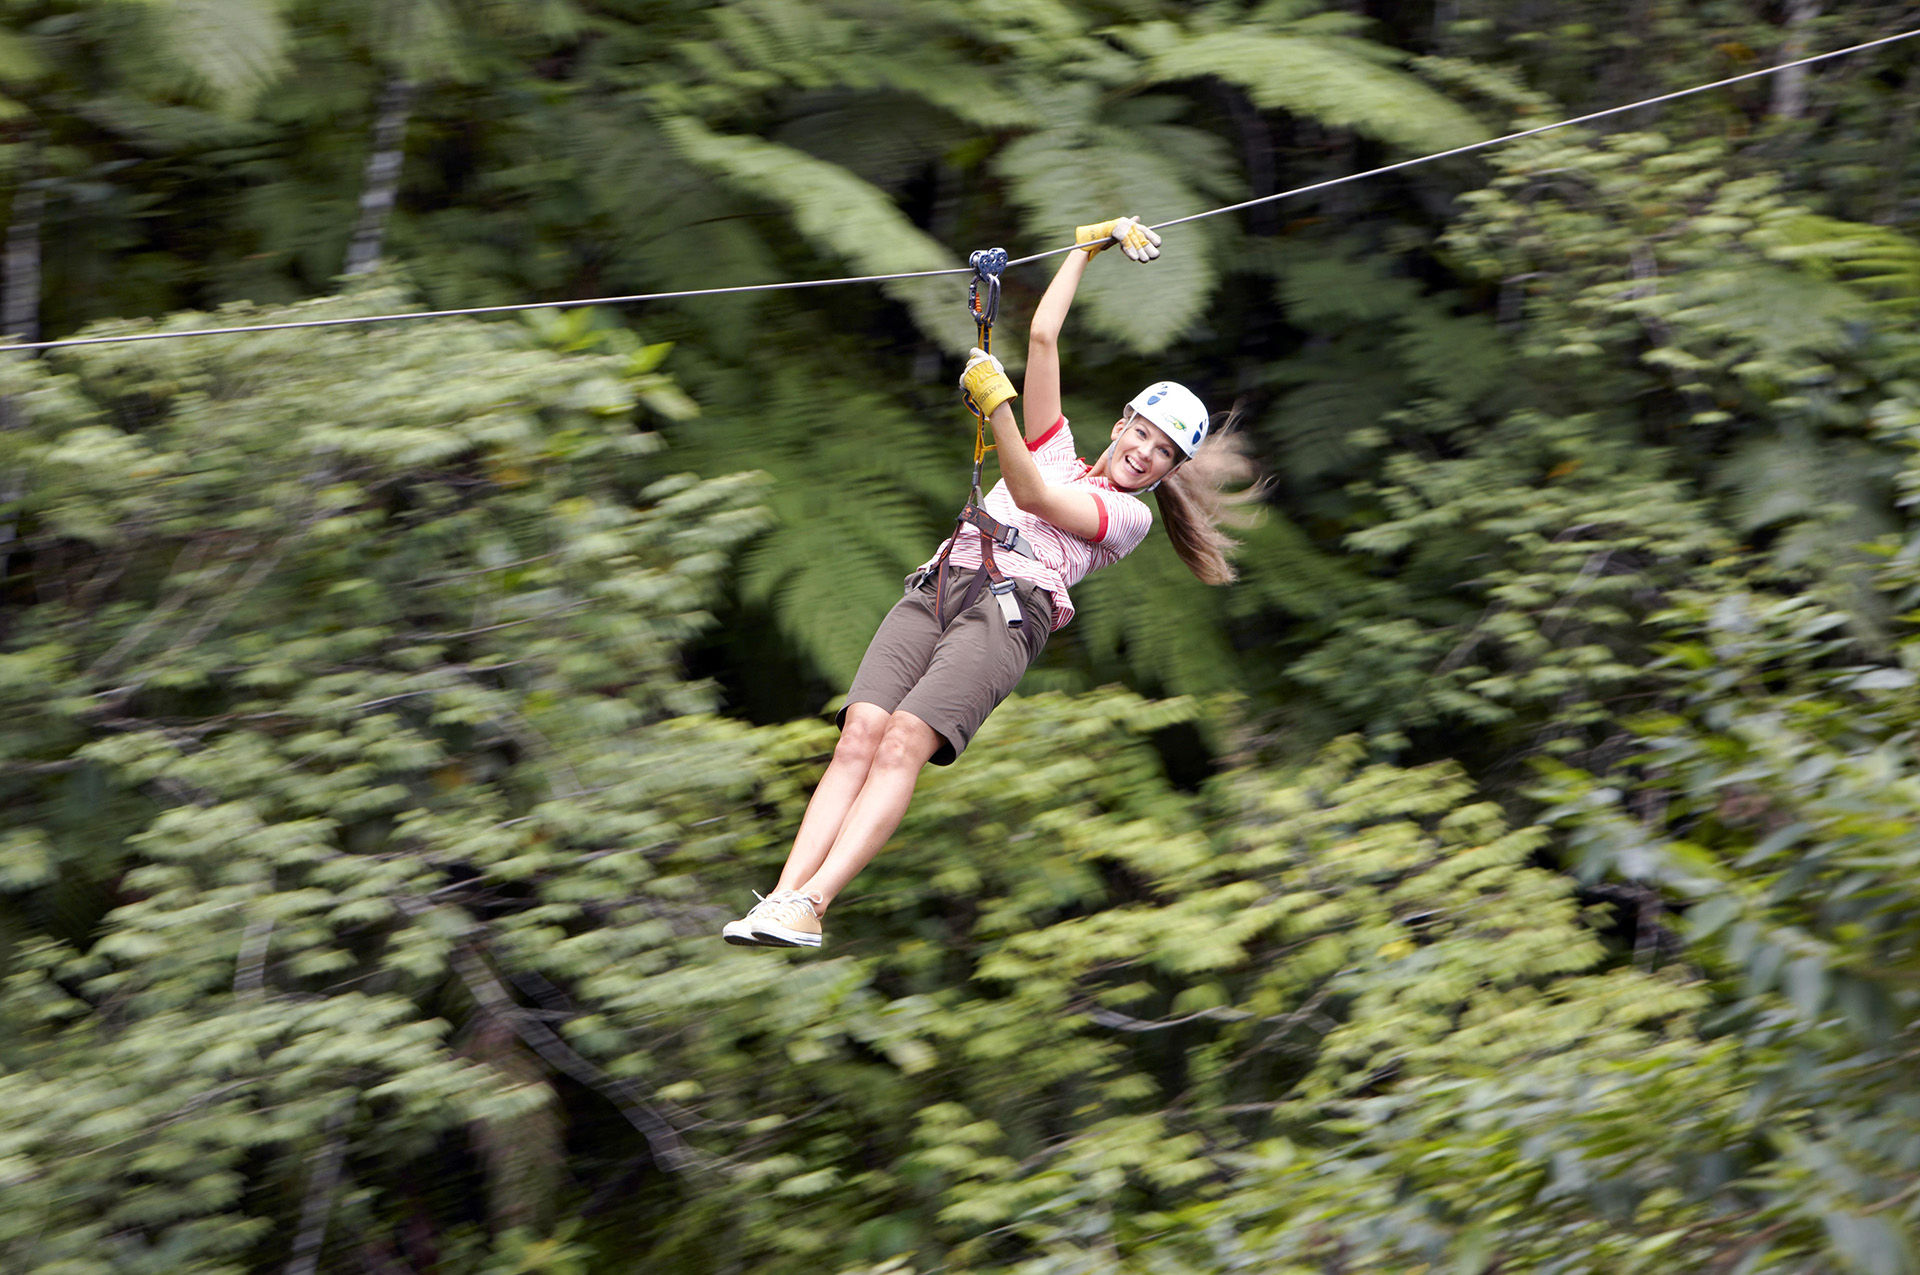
983 303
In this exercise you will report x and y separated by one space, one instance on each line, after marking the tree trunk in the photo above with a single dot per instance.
19 316
1790 86
323 1181
1256 149
20 286
382 183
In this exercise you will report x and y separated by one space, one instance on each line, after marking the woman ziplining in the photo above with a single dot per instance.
980 610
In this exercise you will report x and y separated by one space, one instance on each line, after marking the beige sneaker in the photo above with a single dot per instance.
740 933
787 920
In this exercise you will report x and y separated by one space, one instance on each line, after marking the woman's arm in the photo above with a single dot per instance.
1074 512
1078 513
1042 388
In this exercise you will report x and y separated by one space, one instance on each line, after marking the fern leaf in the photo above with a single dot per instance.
424 39
832 208
1781 312
1339 81
1146 613
231 49
854 507
813 47
1877 258
1317 425
1157 172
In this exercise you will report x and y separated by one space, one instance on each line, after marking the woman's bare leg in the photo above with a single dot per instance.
834 795
905 747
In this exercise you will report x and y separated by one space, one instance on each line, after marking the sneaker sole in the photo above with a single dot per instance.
777 936
741 938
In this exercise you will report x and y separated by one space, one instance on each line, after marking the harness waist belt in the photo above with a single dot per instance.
993 532
1008 538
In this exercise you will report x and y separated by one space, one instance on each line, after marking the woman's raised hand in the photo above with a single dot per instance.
985 382
1134 239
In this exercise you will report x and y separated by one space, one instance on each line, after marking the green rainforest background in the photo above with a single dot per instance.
1518 871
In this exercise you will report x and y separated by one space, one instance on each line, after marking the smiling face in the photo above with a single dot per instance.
1140 456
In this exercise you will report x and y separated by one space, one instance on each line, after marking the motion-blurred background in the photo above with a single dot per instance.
1518 870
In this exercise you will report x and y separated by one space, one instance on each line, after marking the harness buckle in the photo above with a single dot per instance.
1009 601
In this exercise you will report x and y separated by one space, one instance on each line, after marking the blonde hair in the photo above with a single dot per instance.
1195 502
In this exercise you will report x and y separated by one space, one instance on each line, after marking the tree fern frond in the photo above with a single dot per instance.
838 128
859 493
1325 284
230 49
424 39
1281 569
1337 81
1779 311
166 129
643 194
1877 258
959 90
1316 427
1497 84
1149 614
823 47
1057 174
833 209
1461 357
1796 477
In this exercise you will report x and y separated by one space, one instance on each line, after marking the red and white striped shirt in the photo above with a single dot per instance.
1061 559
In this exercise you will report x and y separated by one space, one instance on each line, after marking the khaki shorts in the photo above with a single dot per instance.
952 678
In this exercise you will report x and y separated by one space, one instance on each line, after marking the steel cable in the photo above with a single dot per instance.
634 299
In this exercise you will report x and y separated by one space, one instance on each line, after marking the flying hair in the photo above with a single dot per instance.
1214 490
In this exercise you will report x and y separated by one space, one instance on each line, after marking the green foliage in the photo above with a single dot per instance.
830 564
419 838
1096 155
839 212
348 638
1312 66
553 152
1774 810
369 831
1681 369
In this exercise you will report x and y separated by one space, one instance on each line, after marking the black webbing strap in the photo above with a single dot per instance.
988 574
999 533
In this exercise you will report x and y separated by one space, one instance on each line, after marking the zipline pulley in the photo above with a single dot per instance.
987 263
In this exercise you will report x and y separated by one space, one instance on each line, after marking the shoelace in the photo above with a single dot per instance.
768 902
793 898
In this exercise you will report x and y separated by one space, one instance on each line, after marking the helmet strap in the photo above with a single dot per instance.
1162 478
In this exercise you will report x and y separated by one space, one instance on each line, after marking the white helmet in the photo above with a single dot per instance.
1178 412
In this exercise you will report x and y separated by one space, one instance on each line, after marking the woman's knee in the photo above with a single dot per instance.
907 744
861 733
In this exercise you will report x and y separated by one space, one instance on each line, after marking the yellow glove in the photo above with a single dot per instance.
1134 239
985 382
